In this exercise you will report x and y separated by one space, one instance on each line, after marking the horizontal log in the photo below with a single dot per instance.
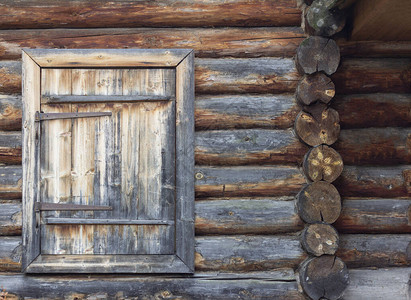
371 284
363 75
227 42
245 111
355 181
375 216
242 216
263 253
166 13
254 146
212 76
367 284
373 110
270 75
10 219
349 48
267 111
378 146
269 216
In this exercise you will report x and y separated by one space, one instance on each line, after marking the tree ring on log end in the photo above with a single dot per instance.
319 202
322 163
324 277
319 125
320 239
315 87
316 54
323 19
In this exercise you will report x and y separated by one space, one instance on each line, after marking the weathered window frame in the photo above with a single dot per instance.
182 261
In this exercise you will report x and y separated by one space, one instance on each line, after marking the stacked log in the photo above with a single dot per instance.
323 275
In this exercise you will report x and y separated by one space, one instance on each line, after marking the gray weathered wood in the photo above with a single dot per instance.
185 195
99 98
71 115
10 254
106 221
10 218
242 216
10 112
31 159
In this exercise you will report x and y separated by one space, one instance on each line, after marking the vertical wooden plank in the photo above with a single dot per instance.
159 81
30 160
55 162
185 161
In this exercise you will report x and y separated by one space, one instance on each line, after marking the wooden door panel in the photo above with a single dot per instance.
126 161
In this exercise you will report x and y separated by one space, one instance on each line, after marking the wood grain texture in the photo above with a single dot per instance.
245 253
269 216
350 48
367 75
166 13
271 75
216 42
370 110
267 111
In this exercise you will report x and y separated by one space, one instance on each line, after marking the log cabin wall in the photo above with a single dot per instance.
248 160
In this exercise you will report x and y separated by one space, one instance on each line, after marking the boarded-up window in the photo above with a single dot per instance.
108 161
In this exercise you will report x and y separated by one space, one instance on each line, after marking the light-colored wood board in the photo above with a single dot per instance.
49 58
31 159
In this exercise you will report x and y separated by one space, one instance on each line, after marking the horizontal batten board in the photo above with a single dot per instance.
167 13
215 42
241 253
83 58
97 98
269 216
63 221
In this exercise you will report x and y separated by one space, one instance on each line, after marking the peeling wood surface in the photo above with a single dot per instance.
10 254
166 13
269 216
226 42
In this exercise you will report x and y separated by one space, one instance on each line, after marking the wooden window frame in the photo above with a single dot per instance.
182 261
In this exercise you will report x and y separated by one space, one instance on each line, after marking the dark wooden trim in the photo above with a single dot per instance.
63 221
97 98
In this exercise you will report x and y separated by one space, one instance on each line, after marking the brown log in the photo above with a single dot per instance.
10 182
323 18
10 219
322 163
167 13
10 254
269 216
227 42
10 112
324 277
368 49
318 202
370 110
10 147
315 87
316 54
375 216
320 239
319 125
212 76
363 75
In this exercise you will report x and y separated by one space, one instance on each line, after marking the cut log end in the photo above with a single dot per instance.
319 202
316 54
322 163
322 20
316 87
320 239
319 125
324 277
